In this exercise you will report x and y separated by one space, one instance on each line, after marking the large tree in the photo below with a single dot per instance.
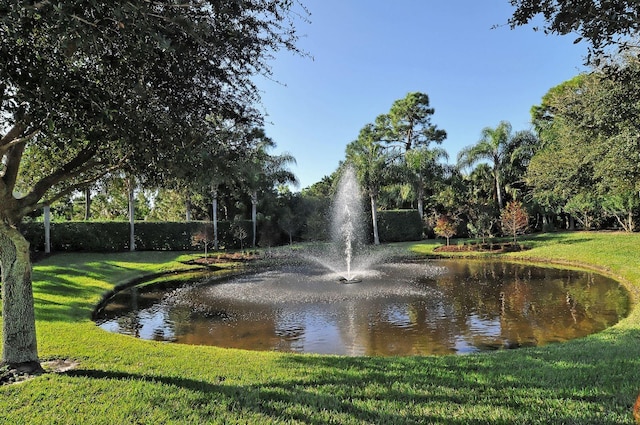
408 123
86 87
589 151
406 127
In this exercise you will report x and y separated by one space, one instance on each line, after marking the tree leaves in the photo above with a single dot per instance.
135 79
601 23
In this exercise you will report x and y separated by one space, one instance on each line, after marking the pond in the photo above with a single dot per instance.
408 308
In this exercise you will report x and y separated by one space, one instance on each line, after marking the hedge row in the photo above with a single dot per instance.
399 226
113 236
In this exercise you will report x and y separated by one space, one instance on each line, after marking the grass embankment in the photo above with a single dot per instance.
122 380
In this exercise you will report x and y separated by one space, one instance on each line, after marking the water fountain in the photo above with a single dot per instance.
348 257
347 221
389 308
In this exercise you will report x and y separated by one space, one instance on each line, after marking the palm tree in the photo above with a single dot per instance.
494 147
371 161
423 165
260 170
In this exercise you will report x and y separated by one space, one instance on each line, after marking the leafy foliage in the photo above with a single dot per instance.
408 123
504 150
587 163
92 236
87 86
601 23
203 237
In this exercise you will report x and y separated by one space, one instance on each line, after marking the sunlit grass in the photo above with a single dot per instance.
123 380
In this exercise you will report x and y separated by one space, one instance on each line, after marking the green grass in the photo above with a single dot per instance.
122 380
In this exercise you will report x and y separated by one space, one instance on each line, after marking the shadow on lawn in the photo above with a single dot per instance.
593 381
539 389
559 238
278 400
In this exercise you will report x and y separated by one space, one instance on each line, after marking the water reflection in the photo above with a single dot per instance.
441 307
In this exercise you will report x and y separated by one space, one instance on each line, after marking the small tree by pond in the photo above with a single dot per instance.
514 219
480 223
445 227
241 234
203 238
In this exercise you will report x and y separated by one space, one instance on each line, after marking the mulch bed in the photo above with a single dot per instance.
224 258
482 247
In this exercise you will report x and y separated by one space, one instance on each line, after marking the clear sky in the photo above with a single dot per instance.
368 53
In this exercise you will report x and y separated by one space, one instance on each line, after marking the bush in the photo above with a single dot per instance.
399 226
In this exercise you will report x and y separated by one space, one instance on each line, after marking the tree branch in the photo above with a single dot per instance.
17 129
8 144
12 157
72 188
78 164
32 204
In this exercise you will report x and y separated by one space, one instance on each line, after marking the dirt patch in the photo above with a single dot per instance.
20 374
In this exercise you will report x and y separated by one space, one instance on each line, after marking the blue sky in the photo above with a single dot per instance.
367 54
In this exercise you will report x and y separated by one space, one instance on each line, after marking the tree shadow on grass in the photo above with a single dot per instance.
278 400
70 312
559 238
595 381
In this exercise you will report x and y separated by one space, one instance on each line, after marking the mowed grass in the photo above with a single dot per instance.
122 380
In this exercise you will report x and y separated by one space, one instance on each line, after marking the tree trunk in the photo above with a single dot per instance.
132 233
87 203
214 206
254 215
420 200
19 347
498 190
187 207
47 229
374 219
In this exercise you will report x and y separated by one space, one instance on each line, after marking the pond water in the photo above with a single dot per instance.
411 308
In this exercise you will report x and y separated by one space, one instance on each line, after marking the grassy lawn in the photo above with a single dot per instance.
122 380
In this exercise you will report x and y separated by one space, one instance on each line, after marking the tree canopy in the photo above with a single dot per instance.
601 23
87 87
587 162
408 123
